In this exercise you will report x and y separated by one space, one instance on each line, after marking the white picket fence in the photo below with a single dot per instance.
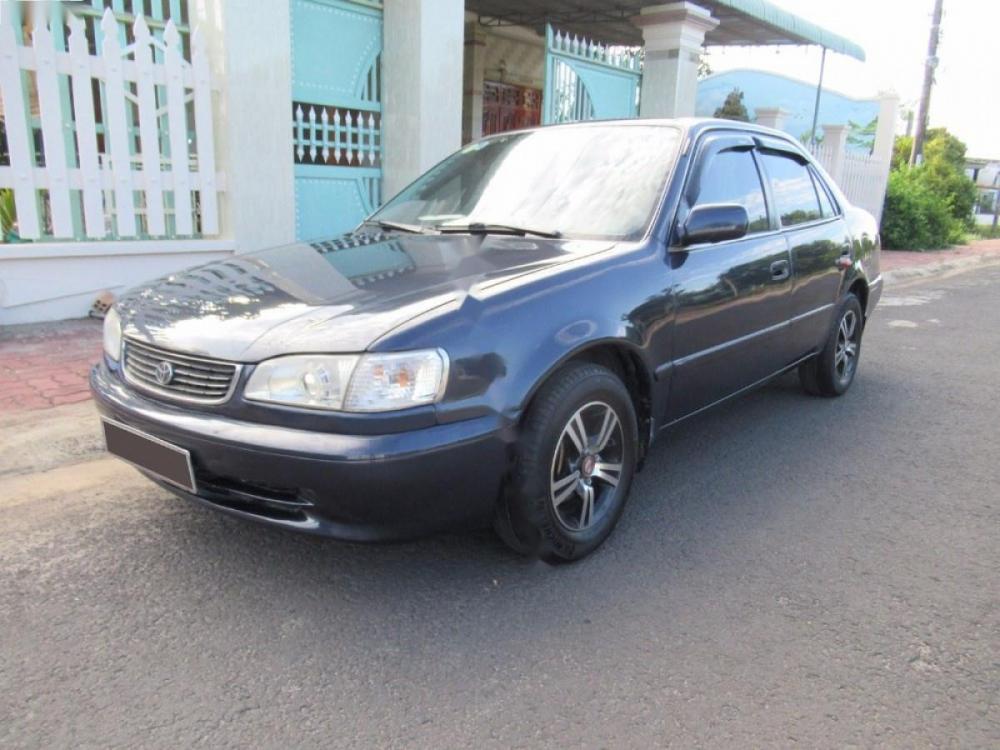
861 176
864 180
119 158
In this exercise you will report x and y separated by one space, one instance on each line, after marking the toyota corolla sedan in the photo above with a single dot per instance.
502 341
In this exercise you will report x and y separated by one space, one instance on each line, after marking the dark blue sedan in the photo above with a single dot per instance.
502 341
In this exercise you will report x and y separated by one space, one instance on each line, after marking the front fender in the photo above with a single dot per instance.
504 342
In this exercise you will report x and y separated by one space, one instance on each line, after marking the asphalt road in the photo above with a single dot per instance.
790 572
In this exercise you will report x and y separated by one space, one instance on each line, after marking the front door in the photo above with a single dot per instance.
730 298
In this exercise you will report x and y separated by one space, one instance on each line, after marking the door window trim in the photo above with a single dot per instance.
803 161
821 185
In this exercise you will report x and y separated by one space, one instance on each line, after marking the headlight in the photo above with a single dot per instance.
359 383
316 382
112 334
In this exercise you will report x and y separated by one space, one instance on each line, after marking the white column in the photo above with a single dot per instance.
885 132
835 145
673 34
474 75
771 117
421 87
251 60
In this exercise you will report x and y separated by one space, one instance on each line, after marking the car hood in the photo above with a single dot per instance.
337 295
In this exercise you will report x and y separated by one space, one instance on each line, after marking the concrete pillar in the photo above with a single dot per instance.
251 60
422 65
673 35
835 146
472 85
771 117
885 133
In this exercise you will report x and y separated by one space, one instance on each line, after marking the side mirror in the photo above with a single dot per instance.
715 222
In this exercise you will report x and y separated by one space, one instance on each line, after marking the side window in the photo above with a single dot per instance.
792 187
825 202
732 177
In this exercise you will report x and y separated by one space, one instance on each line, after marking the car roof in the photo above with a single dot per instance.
692 126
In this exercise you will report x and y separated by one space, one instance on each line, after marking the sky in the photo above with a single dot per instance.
894 34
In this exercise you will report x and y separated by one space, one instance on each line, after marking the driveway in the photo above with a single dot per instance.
790 572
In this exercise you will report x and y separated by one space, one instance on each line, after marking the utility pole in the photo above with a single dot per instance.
925 95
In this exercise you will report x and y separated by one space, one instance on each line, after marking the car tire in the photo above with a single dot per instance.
576 457
831 372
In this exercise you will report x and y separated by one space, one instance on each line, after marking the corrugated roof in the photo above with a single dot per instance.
742 22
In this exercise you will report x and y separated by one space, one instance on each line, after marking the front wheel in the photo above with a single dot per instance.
832 371
576 459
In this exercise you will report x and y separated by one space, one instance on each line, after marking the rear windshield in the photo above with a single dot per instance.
588 182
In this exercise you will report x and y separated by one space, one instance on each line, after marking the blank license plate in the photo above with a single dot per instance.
166 461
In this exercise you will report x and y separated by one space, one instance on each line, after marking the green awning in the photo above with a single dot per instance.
761 22
741 22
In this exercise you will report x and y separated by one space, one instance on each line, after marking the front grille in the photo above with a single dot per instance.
205 381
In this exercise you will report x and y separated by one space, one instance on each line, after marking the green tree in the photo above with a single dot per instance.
944 173
928 206
733 107
942 146
901 148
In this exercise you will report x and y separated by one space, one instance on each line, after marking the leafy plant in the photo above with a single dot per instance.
733 107
8 216
928 206
915 217
901 148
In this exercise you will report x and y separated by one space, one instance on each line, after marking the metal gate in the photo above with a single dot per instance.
586 80
337 113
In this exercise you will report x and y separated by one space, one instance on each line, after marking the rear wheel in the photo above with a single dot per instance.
832 371
576 459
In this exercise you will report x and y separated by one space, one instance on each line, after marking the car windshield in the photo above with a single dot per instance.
585 182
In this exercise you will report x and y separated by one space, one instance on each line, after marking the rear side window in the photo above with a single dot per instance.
794 194
732 177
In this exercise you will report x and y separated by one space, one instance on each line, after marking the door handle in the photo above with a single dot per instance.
780 270
844 261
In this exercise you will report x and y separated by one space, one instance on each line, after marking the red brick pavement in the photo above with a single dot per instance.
894 260
47 364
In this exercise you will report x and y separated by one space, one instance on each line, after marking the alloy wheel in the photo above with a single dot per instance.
845 357
587 466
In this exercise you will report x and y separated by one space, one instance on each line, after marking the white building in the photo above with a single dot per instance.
292 119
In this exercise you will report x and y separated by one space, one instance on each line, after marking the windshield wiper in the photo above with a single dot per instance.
478 227
398 226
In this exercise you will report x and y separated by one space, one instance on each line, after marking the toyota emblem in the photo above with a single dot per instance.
164 373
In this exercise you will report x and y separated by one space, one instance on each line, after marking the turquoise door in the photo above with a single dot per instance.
585 80
336 113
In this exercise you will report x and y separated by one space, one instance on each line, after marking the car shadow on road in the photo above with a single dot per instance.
709 488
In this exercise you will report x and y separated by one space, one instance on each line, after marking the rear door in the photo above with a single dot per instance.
730 298
817 237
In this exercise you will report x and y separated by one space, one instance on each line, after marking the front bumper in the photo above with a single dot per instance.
352 487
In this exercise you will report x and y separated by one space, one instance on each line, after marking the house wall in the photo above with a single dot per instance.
515 59
796 98
514 55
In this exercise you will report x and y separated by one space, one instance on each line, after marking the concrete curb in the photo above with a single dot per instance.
938 269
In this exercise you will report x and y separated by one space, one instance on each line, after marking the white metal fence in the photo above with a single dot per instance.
117 144
864 179
861 176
